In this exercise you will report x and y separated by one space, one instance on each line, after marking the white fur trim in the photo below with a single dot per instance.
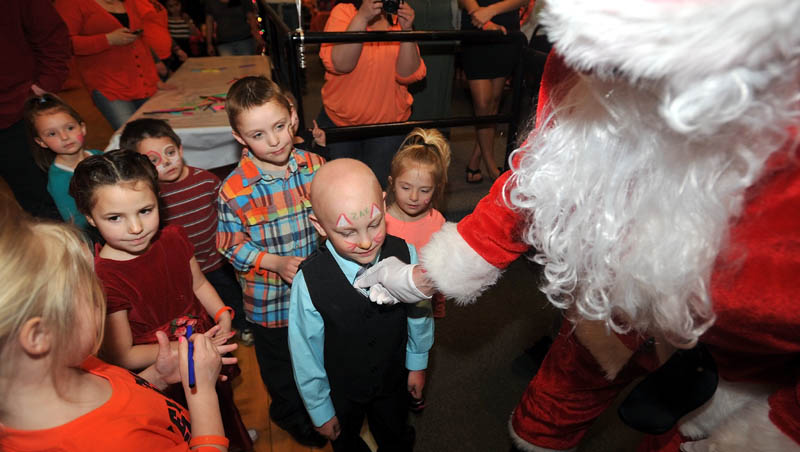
683 39
728 398
455 268
523 445
748 429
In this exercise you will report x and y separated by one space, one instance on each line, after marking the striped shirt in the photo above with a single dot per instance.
258 215
191 203
179 28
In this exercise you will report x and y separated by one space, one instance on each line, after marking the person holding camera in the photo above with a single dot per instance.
367 83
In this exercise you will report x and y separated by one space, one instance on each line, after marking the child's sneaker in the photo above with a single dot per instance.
246 337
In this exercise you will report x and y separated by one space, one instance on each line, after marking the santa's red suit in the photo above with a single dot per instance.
755 337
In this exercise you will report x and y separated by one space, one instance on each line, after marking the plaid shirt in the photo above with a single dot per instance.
259 215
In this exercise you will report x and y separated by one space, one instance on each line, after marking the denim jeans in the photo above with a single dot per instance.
376 153
243 47
116 112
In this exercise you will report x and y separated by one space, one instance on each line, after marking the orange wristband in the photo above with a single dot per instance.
221 310
209 440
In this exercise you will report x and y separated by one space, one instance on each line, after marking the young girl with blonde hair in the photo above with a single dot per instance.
54 394
416 185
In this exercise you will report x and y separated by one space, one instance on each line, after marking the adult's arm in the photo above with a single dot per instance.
155 31
74 13
48 37
344 57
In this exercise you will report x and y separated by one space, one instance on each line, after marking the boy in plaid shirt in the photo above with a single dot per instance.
265 232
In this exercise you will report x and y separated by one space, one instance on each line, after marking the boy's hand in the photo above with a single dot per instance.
395 277
330 429
416 383
318 134
287 267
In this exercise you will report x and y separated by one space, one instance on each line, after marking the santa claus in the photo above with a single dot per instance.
660 191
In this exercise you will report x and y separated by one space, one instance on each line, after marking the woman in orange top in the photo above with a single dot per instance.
366 83
112 41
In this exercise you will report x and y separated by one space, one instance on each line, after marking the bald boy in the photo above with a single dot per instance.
353 358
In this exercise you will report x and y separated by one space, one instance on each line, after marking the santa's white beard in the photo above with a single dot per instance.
628 214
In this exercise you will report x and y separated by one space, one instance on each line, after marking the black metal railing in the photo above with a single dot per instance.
286 59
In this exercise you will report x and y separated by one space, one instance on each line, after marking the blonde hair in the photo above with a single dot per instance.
422 147
47 272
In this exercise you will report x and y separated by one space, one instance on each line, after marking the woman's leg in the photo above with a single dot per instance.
486 94
116 112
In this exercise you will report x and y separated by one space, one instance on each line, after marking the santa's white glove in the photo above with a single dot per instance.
390 281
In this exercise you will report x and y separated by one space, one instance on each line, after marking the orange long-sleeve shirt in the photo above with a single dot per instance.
373 92
136 418
118 72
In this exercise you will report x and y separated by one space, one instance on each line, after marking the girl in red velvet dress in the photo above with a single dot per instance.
151 278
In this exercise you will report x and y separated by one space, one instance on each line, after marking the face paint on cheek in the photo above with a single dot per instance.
350 245
379 238
154 157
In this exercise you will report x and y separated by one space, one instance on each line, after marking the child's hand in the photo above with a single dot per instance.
207 364
416 383
287 267
217 336
319 134
121 37
166 365
330 429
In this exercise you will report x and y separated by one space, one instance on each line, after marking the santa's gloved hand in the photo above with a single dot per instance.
380 295
393 280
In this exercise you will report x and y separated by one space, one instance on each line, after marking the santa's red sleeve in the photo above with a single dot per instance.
465 259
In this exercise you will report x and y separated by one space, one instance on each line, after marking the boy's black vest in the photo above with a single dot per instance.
365 343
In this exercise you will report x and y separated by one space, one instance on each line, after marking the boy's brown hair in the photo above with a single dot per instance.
250 92
141 129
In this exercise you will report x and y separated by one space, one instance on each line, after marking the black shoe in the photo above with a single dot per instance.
307 436
527 364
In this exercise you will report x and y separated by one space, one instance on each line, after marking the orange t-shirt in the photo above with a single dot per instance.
373 92
136 418
417 233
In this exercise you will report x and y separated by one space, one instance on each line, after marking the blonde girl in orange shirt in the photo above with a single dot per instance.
416 185
54 394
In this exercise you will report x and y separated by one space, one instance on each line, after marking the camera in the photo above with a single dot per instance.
391 6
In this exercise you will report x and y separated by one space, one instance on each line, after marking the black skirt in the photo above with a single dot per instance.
488 61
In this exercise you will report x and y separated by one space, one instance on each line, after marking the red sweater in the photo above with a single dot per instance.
118 72
34 39
155 288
